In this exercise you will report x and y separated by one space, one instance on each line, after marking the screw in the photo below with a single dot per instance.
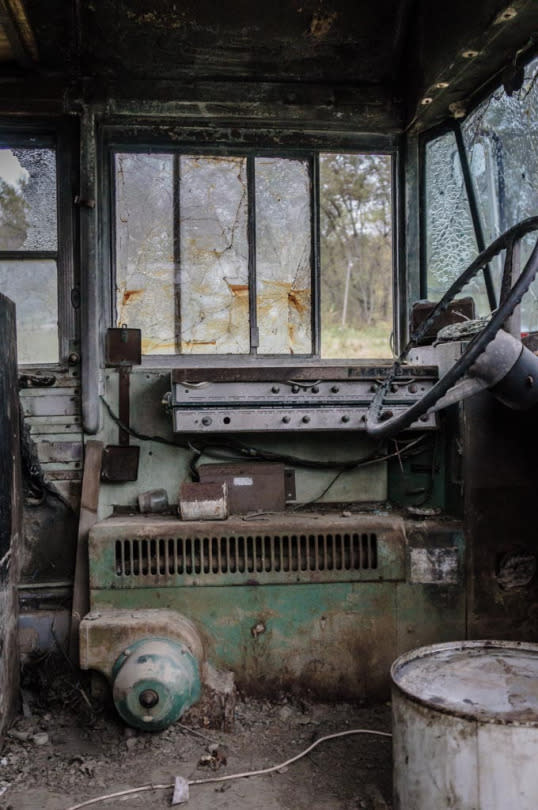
286 419
148 698
275 389
529 381
206 420
335 389
315 389
345 418
295 389
306 418
413 388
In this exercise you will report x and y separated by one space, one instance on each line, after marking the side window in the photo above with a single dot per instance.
219 254
29 248
501 139
450 238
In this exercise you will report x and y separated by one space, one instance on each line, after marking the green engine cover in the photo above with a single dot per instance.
154 681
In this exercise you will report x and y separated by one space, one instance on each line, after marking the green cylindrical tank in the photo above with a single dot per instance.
154 681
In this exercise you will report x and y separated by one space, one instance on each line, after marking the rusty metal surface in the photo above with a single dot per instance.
458 311
203 501
105 634
310 631
142 552
123 347
120 463
485 681
291 371
251 486
500 452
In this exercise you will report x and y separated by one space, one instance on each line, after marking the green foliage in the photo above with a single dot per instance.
13 220
356 254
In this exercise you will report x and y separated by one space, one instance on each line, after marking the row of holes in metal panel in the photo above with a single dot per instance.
249 554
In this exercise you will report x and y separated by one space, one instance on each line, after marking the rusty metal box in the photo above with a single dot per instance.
203 501
252 486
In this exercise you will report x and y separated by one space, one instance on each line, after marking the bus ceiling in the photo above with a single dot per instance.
383 66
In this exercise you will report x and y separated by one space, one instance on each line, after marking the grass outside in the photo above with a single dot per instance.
350 343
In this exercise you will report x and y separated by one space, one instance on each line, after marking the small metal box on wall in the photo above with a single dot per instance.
252 486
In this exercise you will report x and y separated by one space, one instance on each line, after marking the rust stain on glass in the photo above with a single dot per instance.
145 277
214 303
283 256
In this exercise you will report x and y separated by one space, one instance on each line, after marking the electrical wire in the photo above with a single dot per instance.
215 448
244 775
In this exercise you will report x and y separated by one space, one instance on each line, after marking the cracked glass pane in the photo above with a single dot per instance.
356 255
450 239
28 199
32 285
145 272
283 256
501 137
213 208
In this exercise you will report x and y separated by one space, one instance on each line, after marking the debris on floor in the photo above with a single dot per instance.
61 755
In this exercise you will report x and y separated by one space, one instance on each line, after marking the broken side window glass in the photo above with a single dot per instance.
501 138
356 255
28 199
450 238
28 226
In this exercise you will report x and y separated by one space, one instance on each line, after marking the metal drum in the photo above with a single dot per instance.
465 725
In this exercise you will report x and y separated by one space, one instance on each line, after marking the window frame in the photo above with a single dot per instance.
249 143
61 138
424 139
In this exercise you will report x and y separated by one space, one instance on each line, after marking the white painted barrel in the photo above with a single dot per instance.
465 727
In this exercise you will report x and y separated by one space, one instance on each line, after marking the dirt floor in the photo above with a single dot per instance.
63 750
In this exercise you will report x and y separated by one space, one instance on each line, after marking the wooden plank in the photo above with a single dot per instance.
89 502
56 433
29 380
51 451
53 424
50 404
61 466
48 391
70 491
64 475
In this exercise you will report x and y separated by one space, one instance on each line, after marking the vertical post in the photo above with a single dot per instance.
89 272
10 514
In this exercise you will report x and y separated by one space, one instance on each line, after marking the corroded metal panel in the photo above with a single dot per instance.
128 553
335 640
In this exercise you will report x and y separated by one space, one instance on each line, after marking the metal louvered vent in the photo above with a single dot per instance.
166 552
251 554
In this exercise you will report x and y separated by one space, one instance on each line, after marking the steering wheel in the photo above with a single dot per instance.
511 295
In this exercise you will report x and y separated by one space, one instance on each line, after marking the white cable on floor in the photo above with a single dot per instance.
244 775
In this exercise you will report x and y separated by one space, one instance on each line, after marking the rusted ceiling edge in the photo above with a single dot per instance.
18 31
454 93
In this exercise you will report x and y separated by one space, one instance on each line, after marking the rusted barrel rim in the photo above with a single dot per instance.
477 714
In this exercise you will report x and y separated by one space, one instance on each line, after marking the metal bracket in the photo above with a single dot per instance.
123 350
